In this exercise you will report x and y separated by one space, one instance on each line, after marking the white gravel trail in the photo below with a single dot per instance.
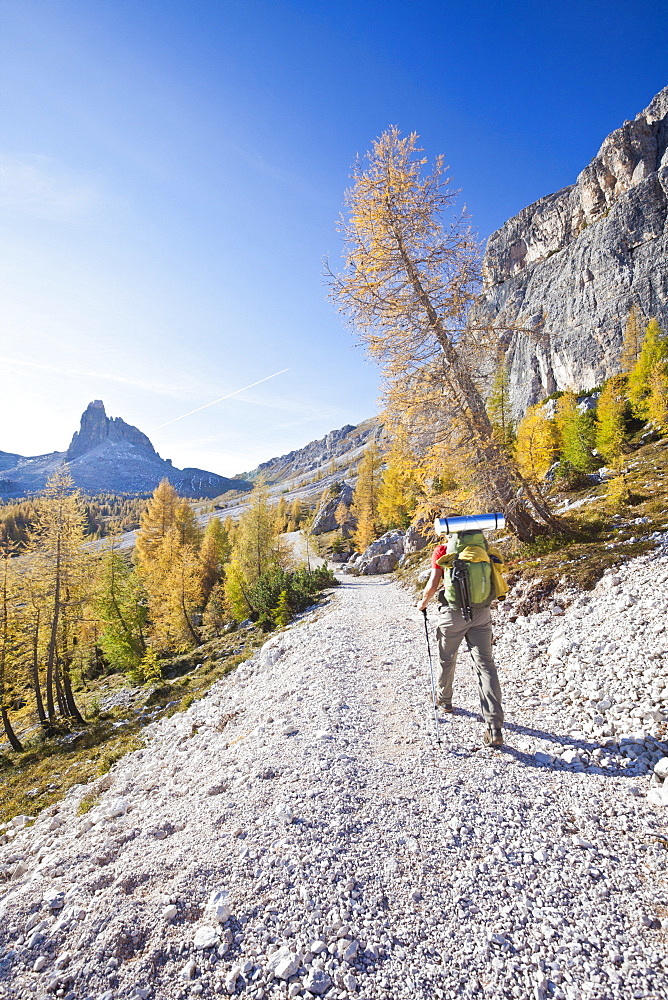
359 859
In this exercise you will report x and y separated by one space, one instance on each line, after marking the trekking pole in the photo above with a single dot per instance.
431 677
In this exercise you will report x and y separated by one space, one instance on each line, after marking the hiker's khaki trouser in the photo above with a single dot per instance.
478 632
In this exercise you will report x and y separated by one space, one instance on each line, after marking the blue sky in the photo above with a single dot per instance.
171 174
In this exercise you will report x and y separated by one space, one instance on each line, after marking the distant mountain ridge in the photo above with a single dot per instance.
340 449
107 455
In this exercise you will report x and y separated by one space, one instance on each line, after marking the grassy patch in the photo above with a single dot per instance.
601 533
87 803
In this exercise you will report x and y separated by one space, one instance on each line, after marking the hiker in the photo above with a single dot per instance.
473 622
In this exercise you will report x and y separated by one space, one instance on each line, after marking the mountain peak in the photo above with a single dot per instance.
97 428
106 455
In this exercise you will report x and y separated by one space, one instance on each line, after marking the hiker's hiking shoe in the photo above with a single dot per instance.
445 706
494 736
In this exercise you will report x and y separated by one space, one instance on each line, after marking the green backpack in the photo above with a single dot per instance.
479 574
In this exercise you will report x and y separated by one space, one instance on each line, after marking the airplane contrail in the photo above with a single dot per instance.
214 401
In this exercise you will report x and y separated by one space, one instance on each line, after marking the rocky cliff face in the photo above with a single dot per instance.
106 455
343 447
560 278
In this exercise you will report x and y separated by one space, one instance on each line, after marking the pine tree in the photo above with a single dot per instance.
499 408
283 614
120 605
365 499
536 443
632 343
653 350
657 402
400 484
576 433
611 414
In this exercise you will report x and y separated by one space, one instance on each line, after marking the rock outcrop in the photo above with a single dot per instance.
106 455
381 556
561 277
326 519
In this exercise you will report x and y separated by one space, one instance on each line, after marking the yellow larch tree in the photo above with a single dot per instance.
254 551
536 444
167 556
365 499
657 401
400 483
611 419
173 583
653 350
213 554
58 557
10 641
411 272
160 515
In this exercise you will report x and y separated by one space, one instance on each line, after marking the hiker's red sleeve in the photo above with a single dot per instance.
437 554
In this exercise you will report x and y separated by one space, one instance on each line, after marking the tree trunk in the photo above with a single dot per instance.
72 709
189 624
51 656
35 676
60 694
14 741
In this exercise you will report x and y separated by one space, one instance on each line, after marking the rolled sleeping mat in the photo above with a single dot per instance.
475 522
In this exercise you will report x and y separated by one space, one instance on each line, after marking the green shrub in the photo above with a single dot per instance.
295 591
282 615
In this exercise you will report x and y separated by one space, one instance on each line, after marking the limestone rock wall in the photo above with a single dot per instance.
561 276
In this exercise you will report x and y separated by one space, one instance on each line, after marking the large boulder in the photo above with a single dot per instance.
325 519
382 555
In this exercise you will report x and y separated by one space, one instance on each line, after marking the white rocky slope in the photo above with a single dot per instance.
349 856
